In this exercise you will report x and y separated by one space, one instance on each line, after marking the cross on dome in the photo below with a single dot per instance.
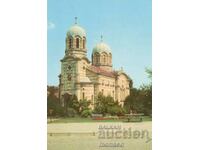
76 18
101 38
76 30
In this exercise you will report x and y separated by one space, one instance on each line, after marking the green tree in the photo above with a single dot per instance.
140 100
134 102
106 105
146 94
74 103
84 108
149 72
100 104
116 110
84 105
86 113
67 100
53 104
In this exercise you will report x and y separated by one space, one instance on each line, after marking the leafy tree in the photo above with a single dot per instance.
74 103
140 100
100 104
131 84
146 92
51 90
149 72
53 106
86 113
72 106
134 102
71 112
116 110
67 101
84 105
106 105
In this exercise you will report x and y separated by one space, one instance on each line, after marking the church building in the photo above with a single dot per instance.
86 79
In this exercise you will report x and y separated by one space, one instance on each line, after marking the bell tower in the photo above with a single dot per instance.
74 62
76 41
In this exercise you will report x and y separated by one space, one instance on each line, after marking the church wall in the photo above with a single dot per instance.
81 69
87 91
92 76
68 77
106 86
94 79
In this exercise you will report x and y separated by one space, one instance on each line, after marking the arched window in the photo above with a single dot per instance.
83 95
83 43
98 59
77 42
95 58
104 59
70 43
110 58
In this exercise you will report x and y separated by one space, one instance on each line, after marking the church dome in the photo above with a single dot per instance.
101 47
76 30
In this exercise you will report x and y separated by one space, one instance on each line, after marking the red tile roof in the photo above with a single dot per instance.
99 70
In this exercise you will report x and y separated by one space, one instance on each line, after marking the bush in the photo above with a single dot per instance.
54 106
86 113
59 110
107 106
71 112
116 110
84 105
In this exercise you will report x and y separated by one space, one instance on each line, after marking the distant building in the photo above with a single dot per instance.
54 90
86 79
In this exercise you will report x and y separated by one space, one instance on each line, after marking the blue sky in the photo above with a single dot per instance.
125 26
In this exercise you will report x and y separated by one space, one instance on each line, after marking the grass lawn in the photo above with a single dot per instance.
82 120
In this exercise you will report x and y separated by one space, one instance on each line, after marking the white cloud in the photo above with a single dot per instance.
51 25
